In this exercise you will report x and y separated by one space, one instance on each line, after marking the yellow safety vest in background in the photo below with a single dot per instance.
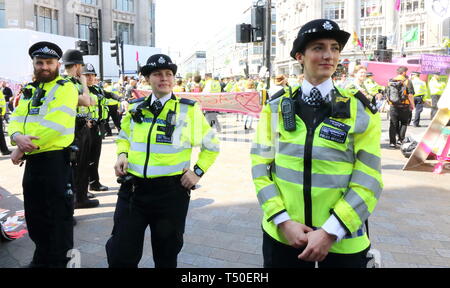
2 104
345 176
151 153
436 87
53 121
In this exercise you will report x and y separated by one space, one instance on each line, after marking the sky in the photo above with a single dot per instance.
183 25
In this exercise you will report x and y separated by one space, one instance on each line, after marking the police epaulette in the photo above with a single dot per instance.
187 101
62 82
366 102
136 100
277 95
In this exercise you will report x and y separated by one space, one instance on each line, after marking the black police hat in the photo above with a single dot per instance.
317 29
157 62
368 74
88 69
45 50
72 56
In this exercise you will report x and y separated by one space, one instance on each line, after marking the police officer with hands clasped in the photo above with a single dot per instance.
42 127
316 162
154 153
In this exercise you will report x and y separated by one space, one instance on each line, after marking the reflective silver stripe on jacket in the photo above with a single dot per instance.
155 148
366 181
369 160
358 204
260 170
267 193
181 123
159 170
318 153
208 144
362 118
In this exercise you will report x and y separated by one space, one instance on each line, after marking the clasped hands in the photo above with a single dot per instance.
24 144
318 242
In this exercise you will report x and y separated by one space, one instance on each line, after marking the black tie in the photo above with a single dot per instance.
156 107
315 98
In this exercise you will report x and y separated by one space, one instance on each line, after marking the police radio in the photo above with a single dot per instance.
288 112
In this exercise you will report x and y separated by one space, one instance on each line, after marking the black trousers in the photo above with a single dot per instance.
434 108
399 117
418 102
94 155
279 255
81 171
161 203
114 114
49 207
3 146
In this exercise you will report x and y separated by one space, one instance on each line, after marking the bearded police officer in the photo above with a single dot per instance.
154 147
42 127
316 162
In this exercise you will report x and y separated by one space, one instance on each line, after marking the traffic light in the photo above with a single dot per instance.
243 33
115 49
83 46
258 21
93 41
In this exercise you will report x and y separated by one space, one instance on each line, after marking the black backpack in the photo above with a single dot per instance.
396 92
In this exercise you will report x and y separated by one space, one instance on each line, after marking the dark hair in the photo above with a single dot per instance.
69 66
197 78
401 69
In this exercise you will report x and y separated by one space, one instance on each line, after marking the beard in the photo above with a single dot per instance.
43 77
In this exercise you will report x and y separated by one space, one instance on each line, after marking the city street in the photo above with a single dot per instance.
410 226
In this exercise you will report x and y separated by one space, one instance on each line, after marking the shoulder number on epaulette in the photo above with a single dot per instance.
187 101
62 82
138 100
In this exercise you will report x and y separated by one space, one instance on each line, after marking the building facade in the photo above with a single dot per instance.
409 30
227 58
195 64
134 20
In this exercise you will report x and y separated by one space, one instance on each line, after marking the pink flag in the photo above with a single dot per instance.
397 5
137 56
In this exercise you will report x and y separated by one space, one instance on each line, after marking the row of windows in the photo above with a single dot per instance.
370 8
46 20
123 5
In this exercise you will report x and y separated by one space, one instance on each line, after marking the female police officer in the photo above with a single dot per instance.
154 147
316 162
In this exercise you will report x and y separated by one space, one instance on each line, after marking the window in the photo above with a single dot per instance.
124 5
125 30
369 37
334 10
90 2
420 27
2 14
412 6
83 26
46 19
371 8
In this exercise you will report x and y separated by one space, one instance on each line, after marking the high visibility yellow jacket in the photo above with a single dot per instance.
99 111
436 87
212 86
2 104
152 153
53 120
372 86
310 177
420 87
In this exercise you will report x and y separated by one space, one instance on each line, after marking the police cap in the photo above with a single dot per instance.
369 74
88 69
158 62
319 29
45 50
72 56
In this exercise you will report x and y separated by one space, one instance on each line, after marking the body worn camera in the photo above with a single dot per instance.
171 120
39 93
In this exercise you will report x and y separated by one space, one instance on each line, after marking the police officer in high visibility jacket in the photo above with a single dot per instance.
420 91
154 148
99 114
42 127
3 147
316 162
437 87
